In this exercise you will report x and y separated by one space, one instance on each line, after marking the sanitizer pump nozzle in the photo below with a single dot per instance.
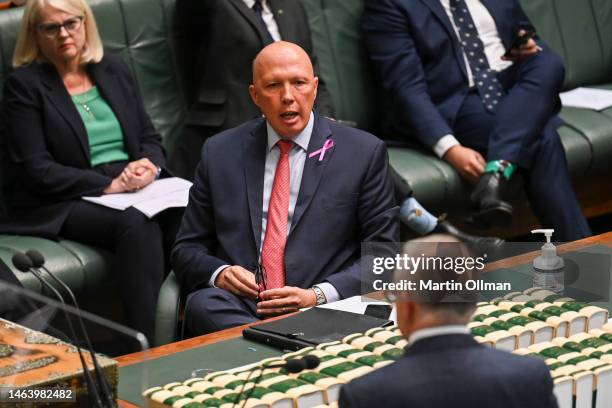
548 267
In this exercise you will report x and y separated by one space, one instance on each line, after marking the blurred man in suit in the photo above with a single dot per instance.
443 365
281 205
451 88
220 40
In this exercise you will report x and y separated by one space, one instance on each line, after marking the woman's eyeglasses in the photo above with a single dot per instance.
51 30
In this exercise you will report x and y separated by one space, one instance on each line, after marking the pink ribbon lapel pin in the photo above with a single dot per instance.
329 143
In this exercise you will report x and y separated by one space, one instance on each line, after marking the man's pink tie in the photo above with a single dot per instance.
273 251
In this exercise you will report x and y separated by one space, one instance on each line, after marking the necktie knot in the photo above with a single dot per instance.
258 6
285 146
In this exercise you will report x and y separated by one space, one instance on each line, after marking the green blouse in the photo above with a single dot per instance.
103 129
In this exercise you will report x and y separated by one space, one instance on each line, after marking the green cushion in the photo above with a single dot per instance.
579 31
596 128
58 260
95 263
168 306
434 181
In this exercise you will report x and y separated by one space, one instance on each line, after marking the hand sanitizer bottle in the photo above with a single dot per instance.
548 268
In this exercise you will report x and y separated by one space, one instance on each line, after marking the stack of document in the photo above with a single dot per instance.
151 200
587 98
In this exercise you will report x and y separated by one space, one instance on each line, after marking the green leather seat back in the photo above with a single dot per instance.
141 31
343 60
579 31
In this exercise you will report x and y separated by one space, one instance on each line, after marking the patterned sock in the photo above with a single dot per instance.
502 166
416 217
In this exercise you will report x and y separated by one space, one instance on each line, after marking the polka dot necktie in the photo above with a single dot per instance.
273 250
486 81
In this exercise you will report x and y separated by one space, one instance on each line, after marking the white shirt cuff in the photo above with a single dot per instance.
443 144
331 294
216 273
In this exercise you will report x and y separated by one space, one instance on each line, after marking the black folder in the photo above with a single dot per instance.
312 327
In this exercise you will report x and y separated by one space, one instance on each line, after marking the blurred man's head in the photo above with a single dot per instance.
284 87
423 308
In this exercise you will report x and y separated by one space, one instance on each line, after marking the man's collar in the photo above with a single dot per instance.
250 3
437 331
302 139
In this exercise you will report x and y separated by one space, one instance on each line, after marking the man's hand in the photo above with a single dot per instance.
285 300
469 163
239 281
524 51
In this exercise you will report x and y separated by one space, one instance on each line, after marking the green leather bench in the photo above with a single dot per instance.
142 31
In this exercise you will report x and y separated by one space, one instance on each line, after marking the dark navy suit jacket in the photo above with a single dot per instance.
344 200
420 62
453 371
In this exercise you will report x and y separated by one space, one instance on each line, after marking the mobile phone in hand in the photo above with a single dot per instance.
520 40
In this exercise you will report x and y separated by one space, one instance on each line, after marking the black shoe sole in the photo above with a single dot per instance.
499 216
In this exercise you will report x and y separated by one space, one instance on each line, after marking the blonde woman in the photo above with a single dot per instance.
75 126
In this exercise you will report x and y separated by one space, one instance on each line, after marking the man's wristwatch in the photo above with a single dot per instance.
320 296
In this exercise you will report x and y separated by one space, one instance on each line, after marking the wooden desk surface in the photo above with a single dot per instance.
603 239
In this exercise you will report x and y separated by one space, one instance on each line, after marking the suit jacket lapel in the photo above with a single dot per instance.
438 10
63 103
313 168
254 154
108 85
250 16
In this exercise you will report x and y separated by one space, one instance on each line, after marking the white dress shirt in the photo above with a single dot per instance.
297 158
437 331
493 48
268 18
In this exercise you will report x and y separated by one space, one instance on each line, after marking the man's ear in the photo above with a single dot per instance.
316 85
253 93
405 316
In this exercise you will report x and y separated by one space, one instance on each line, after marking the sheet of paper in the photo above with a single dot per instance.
355 304
154 206
588 98
157 191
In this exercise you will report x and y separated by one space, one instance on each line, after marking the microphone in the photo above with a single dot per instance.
24 264
295 365
311 361
38 261
292 365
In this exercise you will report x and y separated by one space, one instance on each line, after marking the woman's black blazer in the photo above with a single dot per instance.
48 164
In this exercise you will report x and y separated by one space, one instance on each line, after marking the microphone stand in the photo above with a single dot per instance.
38 261
24 267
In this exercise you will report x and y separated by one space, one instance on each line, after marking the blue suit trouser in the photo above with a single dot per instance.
522 131
212 309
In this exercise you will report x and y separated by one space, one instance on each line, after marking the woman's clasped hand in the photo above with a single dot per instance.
136 175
